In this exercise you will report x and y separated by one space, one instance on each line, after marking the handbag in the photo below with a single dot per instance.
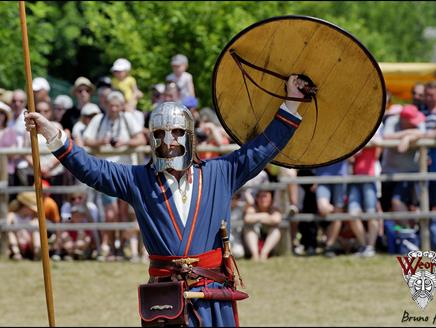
162 303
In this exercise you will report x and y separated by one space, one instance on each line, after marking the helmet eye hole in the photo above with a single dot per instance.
177 133
159 134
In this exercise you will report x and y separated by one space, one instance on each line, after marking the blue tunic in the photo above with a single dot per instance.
214 183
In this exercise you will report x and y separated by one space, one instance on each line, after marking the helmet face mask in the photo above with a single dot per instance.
169 143
172 137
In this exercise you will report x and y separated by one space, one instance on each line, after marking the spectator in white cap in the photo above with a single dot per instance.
123 81
61 104
86 114
181 77
41 89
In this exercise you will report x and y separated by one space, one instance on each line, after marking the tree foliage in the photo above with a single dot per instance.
68 39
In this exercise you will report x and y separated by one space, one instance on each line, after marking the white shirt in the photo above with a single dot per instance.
78 130
178 189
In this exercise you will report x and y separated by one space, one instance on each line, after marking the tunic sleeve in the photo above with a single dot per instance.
108 177
245 163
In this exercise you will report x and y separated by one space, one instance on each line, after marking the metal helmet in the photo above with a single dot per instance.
166 124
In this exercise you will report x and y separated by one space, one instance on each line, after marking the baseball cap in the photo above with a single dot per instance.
64 101
159 87
121 64
179 59
411 114
40 83
89 109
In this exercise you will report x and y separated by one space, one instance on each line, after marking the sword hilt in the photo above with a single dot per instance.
226 240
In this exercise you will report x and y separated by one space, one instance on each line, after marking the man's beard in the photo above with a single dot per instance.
164 152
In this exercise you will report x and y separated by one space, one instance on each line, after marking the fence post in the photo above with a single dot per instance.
3 202
424 201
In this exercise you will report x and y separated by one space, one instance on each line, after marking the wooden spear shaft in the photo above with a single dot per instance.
37 172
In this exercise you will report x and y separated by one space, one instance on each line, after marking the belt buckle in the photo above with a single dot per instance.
188 261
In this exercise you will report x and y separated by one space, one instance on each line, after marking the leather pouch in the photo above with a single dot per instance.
162 304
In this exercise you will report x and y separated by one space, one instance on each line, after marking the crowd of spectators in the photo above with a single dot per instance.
114 121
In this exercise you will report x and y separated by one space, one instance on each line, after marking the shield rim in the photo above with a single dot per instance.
321 21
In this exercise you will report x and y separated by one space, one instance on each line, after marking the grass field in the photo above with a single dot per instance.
286 291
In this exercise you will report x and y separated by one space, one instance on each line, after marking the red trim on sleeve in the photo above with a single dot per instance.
287 121
64 154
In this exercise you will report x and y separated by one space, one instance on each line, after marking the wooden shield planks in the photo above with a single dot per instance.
351 91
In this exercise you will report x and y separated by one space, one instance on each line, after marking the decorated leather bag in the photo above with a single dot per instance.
162 304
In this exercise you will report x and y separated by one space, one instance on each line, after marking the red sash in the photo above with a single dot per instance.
210 259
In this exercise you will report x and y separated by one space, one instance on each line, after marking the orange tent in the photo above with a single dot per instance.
400 77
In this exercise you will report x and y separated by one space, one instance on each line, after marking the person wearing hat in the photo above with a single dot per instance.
24 243
179 200
6 96
86 114
41 89
156 93
406 126
430 126
184 80
61 104
122 80
82 91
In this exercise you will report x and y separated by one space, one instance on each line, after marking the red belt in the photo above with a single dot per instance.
208 265
210 259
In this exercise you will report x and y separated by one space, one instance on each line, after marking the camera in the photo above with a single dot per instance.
113 142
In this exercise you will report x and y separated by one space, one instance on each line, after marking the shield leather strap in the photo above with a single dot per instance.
248 88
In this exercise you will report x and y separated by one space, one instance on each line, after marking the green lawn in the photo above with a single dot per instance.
286 291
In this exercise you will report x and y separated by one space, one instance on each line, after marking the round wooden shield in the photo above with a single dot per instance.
351 93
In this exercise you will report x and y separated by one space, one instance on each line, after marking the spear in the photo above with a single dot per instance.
37 172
